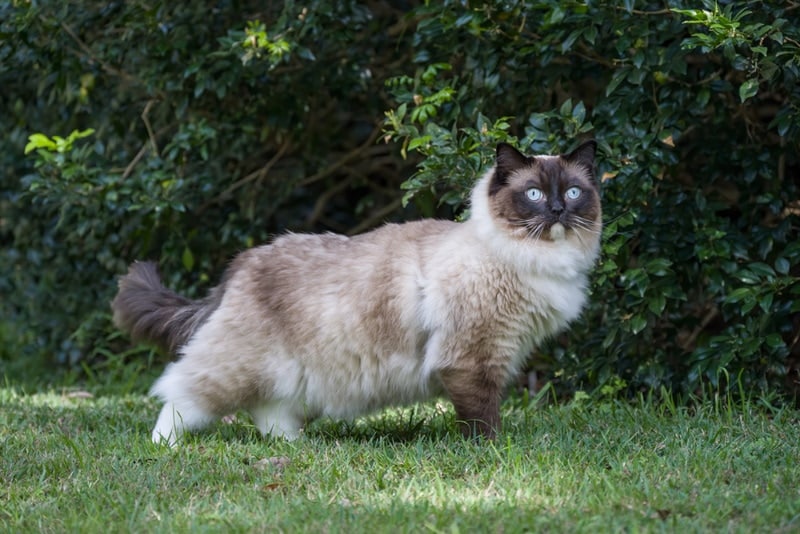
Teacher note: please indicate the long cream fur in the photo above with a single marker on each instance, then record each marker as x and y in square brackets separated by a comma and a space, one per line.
[326, 325]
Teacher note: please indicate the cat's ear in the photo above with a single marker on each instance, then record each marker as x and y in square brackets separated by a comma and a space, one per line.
[583, 156]
[508, 160]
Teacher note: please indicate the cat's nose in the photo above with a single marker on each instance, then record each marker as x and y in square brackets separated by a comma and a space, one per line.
[557, 208]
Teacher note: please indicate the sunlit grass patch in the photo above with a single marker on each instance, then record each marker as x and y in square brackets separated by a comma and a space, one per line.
[83, 462]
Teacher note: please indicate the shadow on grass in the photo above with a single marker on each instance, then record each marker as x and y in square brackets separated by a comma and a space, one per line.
[393, 426]
[398, 425]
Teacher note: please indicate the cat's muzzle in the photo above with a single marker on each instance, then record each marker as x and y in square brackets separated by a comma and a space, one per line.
[557, 231]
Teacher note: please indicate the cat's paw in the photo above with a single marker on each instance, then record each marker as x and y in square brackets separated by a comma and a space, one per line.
[170, 439]
[277, 419]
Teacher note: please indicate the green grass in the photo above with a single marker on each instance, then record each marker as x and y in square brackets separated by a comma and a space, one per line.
[73, 464]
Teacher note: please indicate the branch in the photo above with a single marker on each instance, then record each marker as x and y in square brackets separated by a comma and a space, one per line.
[139, 155]
[344, 160]
[147, 123]
[641, 12]
[324, 198]
[105, 66]
[705, 321]
[145, 146]
[376, 217]
[590, 55]
[255, 175]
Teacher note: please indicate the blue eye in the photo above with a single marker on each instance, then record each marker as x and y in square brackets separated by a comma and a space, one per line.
[534, 194]
[573, 193]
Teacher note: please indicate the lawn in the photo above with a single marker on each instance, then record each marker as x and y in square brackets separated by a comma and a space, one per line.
[72, 461]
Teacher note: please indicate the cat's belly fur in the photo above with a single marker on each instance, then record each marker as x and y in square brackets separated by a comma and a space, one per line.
[356, 386]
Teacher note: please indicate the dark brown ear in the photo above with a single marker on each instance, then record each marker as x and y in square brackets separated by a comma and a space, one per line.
[509, 159]
[583, 155]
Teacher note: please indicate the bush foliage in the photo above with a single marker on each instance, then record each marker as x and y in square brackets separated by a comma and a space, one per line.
[186, 133]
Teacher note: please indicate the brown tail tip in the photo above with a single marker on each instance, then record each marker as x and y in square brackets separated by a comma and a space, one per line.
[147, 310]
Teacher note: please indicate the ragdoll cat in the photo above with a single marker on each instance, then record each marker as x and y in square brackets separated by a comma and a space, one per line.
[327, 325]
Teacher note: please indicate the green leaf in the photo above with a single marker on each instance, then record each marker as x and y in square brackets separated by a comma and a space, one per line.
[419, 141]
[38, 140]
[748, 305]
[566, 108]
[765, 302]
[747, 276]
[187, 258]
[782, 265]
[638, 323]
[658, 266]
[567, 43]
[579, 112]
[611, 337]
[80, 134]
[618, 77]
[774, 341]
[762, 269]
[657, 304]
[748, 89]
[738, 294]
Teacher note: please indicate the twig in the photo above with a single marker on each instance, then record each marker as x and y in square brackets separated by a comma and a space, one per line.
[139, 155]
[142, 151]
[589, 54]
[344, 159]
[641, 12]
[324, 198]
[794, 341]
[147, 124]
[255, 175]
[376, 217]
[104, 65]
[709, 316]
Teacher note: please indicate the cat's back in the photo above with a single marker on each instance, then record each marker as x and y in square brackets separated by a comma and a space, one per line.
[343, 256]
[376, 274]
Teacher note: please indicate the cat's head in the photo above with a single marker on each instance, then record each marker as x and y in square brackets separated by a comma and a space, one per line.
[547, 198]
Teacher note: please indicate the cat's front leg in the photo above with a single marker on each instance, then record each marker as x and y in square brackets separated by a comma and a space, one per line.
[475, 394]
[278, 419]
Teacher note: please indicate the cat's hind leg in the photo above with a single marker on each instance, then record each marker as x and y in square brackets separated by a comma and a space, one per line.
[183, 409]
[174, 420]
[278, 418]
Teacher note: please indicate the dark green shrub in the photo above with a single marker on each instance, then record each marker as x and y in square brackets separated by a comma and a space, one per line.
[211, 131]
[697, 116]
[215, 127]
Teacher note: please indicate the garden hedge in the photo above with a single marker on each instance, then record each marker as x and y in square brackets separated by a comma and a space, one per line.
[185, 133]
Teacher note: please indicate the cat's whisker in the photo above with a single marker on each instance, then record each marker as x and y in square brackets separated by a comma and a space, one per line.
[533, 228]
[615, 218]
[586, 225]
[523, 224]
[587, 229]
[539, 231]
[580, 239]
[582, 219]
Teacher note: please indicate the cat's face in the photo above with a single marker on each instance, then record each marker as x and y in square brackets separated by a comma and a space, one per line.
[547, 198]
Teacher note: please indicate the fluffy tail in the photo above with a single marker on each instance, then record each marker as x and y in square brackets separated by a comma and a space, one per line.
[150, 312]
